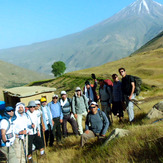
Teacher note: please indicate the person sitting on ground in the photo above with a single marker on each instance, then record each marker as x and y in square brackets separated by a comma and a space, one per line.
[57, 116]
[47, 120]
[79, 108]
[67, 114]
[96, 124]
[22, 124]
[105, 98]
[117, 106]
[90, 90]
[34, 134]
[8, 134]
[128, 90]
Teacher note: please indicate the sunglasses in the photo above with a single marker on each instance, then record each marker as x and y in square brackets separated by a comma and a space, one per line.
[55, 97]
[10, 111]
[93, 107]
[32, 107]
[121, 71]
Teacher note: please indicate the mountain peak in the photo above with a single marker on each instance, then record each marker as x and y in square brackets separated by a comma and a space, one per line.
[145, 6]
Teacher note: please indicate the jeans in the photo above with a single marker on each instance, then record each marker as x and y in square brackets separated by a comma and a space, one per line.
[130, 107]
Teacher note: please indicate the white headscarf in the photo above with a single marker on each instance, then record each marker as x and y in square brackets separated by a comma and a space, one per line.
[17, 108]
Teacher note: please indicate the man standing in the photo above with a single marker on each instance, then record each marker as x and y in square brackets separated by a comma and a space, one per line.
[22, 124]
[67, 114]
[47, 119]
[128, 89]
[57, 116]
[34, 134]
[79, 107]
[105, 98]
[8, 134]
[90, 90]
[117, 107]
[96, 124]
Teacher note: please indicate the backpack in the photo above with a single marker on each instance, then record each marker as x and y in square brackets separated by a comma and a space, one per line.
[138, 83]
[101, 116]
[109, 84]
[2, 144]
[83, 98]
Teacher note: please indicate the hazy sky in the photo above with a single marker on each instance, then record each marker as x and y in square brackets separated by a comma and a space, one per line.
[23, 22]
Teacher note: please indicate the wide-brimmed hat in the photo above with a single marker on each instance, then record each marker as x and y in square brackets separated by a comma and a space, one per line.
[31, 103]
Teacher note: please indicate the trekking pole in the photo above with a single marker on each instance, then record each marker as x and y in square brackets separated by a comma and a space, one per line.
[8, 153]
[135, 104]
[43, 132]
[24, 147]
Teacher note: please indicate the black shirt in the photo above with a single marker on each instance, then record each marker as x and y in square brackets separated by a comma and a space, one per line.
[126, 84]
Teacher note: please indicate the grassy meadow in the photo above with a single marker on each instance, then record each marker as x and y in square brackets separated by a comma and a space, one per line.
[145, 141]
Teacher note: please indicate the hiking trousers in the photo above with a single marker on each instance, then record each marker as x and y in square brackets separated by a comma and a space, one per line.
[85, 137]
[71, 120]
[11, 156]
[106, 109]
[130, 107]
[79, 121]
[19, 150]
[56, 132]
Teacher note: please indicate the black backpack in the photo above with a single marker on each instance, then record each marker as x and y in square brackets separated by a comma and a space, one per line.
[138, 83]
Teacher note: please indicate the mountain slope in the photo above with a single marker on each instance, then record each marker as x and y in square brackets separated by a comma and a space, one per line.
[112, 39]
[155, 43]
[11, 75]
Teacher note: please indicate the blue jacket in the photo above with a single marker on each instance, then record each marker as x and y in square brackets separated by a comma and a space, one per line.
[49, 116]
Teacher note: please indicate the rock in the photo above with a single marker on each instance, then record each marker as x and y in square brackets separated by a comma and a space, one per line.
[157, 111]
[116, 133]
[159, 106]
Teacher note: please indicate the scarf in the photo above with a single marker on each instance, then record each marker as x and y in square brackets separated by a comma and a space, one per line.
[63, 102]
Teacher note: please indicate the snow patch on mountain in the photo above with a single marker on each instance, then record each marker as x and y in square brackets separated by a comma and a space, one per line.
[143, 3]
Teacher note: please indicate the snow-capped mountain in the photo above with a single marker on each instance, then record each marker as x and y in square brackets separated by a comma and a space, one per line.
[112, 39]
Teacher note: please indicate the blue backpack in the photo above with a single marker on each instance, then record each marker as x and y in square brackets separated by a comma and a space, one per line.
[2, 144]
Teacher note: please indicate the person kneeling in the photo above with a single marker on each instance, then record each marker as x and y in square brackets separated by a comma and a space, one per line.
[96, 124]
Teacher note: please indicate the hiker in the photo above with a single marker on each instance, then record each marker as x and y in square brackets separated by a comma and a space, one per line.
[96, 124]
[105, 98]
[57, 116]
[90, 90]
[67, 114]
[21, 128]
[34, 134]
[8, 134]
[79, 107]
[47, 119]
[128, 89]
[117, 106]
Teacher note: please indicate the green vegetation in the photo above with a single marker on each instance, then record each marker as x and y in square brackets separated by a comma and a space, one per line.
[58, 68]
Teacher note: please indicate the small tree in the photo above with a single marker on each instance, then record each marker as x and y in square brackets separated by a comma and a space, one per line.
[58, 68]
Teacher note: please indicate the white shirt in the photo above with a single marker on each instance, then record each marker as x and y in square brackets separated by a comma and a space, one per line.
[4, 125]
[34, 120]
[22, 122]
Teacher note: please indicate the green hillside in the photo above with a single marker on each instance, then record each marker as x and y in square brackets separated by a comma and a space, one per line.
[145, 141]
[11, 75]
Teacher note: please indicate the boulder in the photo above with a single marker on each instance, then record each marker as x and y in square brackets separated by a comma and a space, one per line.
[116, 133]
[156, 111]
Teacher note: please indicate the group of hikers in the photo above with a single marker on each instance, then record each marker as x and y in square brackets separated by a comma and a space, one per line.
[24, 130]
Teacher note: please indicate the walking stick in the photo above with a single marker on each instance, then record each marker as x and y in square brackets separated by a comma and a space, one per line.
[43, 131]
[135, 104]
[24, 147]
[8, 153]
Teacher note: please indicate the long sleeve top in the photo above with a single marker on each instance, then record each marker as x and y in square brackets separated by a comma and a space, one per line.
[96, 123]
[56, 110]
[79, 104]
